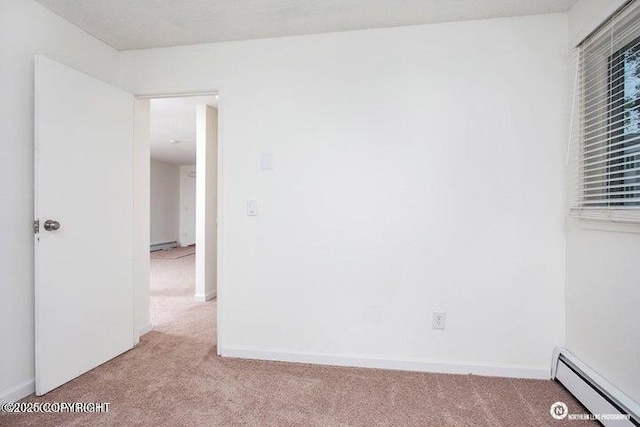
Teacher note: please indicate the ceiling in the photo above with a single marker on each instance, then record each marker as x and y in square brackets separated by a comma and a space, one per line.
[140, 24]
[173, 128]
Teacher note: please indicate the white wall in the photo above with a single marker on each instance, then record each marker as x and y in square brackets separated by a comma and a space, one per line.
[206, 202]
[141, 238]
[417, 169]
[603, 289]
[165, 202]
[187, 205]
[27, 28]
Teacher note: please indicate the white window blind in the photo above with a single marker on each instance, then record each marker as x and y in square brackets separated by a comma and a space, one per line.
[607, 121]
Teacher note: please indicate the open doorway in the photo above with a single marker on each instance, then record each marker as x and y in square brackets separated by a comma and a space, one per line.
[183, 204]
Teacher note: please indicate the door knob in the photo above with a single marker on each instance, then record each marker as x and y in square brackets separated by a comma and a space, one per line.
[51, 225]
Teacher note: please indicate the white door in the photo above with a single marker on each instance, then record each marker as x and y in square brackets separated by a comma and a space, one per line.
[84, 181]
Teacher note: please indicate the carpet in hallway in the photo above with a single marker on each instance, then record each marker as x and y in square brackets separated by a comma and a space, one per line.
[174, 253]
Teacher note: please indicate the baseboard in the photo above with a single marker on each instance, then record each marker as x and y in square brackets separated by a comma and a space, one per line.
[144, 329]
[163, 246]
[18, 392]
[204, 298]
[496, 370]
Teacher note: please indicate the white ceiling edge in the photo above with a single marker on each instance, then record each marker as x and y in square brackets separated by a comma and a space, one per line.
[173, 128]
[127, 25]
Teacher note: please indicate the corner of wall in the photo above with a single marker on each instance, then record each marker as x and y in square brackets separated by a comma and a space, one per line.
[586, 15]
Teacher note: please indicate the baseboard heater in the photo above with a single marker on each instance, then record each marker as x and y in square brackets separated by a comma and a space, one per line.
[164, 246]
[598, 395]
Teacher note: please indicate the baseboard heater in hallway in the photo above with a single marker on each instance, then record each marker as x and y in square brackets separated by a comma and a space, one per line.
[593, 391]
[164, 246]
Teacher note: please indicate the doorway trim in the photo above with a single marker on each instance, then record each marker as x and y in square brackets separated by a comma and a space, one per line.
[142, 302]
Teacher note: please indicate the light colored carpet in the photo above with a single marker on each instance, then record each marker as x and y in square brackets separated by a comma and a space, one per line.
[174, 378]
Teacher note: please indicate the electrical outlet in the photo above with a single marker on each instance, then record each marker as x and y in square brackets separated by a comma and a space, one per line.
[439, 320]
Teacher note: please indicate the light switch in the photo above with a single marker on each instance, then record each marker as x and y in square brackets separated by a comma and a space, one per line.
[252, 208]
[266, 161]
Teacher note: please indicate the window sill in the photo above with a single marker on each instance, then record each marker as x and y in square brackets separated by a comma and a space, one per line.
[620, 225]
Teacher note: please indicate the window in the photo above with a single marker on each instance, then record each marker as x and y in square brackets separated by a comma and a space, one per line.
[624, 125]
[608, 96]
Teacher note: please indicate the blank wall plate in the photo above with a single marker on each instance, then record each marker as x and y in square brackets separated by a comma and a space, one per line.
[266, 161]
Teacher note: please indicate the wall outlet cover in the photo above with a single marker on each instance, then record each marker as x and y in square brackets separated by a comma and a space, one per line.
[439, 320]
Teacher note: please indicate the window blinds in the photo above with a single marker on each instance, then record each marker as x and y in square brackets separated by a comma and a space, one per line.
[607, 121]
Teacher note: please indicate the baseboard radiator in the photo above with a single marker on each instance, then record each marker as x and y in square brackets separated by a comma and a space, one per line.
[593, 391]
[164, 246]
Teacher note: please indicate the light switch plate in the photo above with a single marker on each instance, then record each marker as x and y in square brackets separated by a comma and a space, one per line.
[252, 208]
